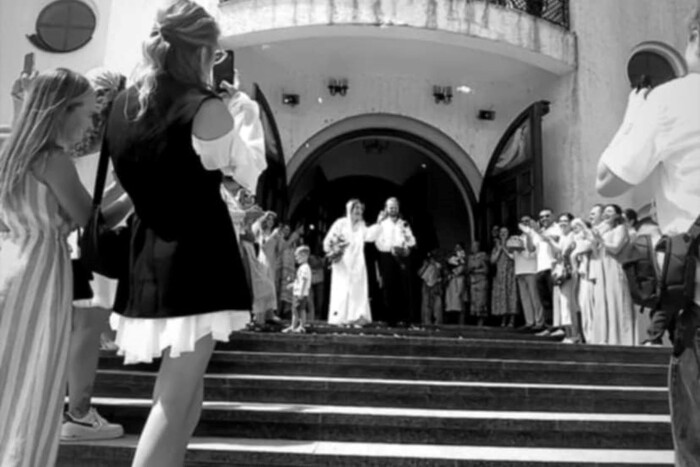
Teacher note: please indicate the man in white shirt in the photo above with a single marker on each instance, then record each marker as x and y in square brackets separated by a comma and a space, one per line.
[526, 278]
[545, 260]
[394, 245]
[660, 138]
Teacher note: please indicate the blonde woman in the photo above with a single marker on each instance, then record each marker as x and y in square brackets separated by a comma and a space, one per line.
[41, 201]
[583, 281]
[171, 139]
[621, 315]
[91, 314]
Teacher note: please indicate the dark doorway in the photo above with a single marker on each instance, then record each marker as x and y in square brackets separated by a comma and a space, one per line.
[374, 167]
[513, 182]
[327, 201]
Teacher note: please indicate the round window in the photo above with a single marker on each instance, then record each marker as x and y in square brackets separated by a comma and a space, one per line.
[651, 67]
[64, 26]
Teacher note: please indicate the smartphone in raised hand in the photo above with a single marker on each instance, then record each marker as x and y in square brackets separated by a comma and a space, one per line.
[28, 64]
[224, 71]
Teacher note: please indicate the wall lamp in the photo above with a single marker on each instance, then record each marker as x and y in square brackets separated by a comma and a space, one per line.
[338, 86]
[442, 94]
[290, 99]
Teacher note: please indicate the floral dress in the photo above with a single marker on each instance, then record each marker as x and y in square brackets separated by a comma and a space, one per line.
[478, 266]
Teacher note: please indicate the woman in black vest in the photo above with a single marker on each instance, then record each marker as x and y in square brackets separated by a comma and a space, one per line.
[170, 138]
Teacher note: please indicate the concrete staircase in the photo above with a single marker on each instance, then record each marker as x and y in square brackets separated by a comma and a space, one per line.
[383, 397]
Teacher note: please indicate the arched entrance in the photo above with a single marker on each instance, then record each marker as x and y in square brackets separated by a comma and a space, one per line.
[376, 156]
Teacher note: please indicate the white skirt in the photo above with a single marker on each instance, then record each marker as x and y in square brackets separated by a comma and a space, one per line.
[140, 340]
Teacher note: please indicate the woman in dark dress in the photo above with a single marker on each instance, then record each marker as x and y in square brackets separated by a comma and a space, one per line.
[170, 138]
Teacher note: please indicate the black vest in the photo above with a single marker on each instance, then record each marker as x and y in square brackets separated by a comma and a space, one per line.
[184, 255]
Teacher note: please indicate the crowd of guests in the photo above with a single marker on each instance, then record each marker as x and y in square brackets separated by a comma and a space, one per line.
[564, 275]
[202, 259]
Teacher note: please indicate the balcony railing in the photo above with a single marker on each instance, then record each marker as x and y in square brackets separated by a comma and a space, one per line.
[554, 11]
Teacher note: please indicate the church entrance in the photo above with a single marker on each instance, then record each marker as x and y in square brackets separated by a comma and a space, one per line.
[374, 165]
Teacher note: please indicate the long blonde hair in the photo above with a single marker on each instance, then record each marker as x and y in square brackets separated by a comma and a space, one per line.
[51, 97]
[181, 31]
[107, 84]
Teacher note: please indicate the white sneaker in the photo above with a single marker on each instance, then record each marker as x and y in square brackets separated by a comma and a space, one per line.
[91, 427]
[558, 333]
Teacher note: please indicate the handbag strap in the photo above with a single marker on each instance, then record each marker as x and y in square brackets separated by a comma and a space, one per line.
[101, 178]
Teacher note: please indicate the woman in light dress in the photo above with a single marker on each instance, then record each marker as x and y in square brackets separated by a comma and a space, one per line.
[349, 303]
[596, 296]
[565, 300]
[580, 261]
[621, 318]
[243, 212]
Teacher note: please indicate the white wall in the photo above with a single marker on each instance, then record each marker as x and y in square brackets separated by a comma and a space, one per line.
[597, 97]
[17, 20]
[402, 94]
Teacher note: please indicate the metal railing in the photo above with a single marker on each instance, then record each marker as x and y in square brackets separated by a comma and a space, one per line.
[554, 11]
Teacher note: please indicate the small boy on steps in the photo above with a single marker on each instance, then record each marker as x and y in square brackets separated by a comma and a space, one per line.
[300, 290]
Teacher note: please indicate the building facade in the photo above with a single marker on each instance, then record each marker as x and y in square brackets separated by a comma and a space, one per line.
[472, 112]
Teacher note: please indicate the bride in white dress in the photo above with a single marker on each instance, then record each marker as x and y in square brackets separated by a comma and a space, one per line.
[349, 290]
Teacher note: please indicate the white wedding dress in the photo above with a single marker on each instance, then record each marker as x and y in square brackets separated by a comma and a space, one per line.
[349, 302]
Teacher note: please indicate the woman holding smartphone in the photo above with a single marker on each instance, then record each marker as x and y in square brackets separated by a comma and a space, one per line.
[170, 137]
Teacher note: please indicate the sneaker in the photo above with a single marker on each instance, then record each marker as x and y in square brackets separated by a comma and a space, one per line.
[544, 333]
[107, 344]
[570, 340]
[91, 427]
[558, 333]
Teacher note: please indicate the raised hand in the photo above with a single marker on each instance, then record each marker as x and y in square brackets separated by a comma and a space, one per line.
[22, 84]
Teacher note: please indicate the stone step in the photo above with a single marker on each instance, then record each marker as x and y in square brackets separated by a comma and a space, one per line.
[423, 368]
[219, 452]
[403, 393]
[432, 346]
[415, 330]
[209, 452]
[404, 425]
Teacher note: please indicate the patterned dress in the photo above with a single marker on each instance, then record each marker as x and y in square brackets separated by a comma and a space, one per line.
[36, 287]
[478, 265]
[504, 301]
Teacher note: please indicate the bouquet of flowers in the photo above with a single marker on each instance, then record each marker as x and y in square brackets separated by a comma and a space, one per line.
[338, 244]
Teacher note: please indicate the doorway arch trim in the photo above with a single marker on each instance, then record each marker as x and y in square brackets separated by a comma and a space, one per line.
[435, 144]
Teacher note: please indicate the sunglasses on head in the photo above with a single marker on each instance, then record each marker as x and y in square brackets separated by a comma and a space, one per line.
[219, 56]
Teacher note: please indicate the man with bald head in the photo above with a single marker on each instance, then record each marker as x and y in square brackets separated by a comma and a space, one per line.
[394, 245]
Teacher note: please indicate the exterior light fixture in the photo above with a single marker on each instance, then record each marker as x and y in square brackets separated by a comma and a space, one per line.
[290, 99]
[442, 94]
[338, 86]
[486, 115]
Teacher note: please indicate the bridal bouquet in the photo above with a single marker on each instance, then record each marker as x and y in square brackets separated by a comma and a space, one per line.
[338, 244]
